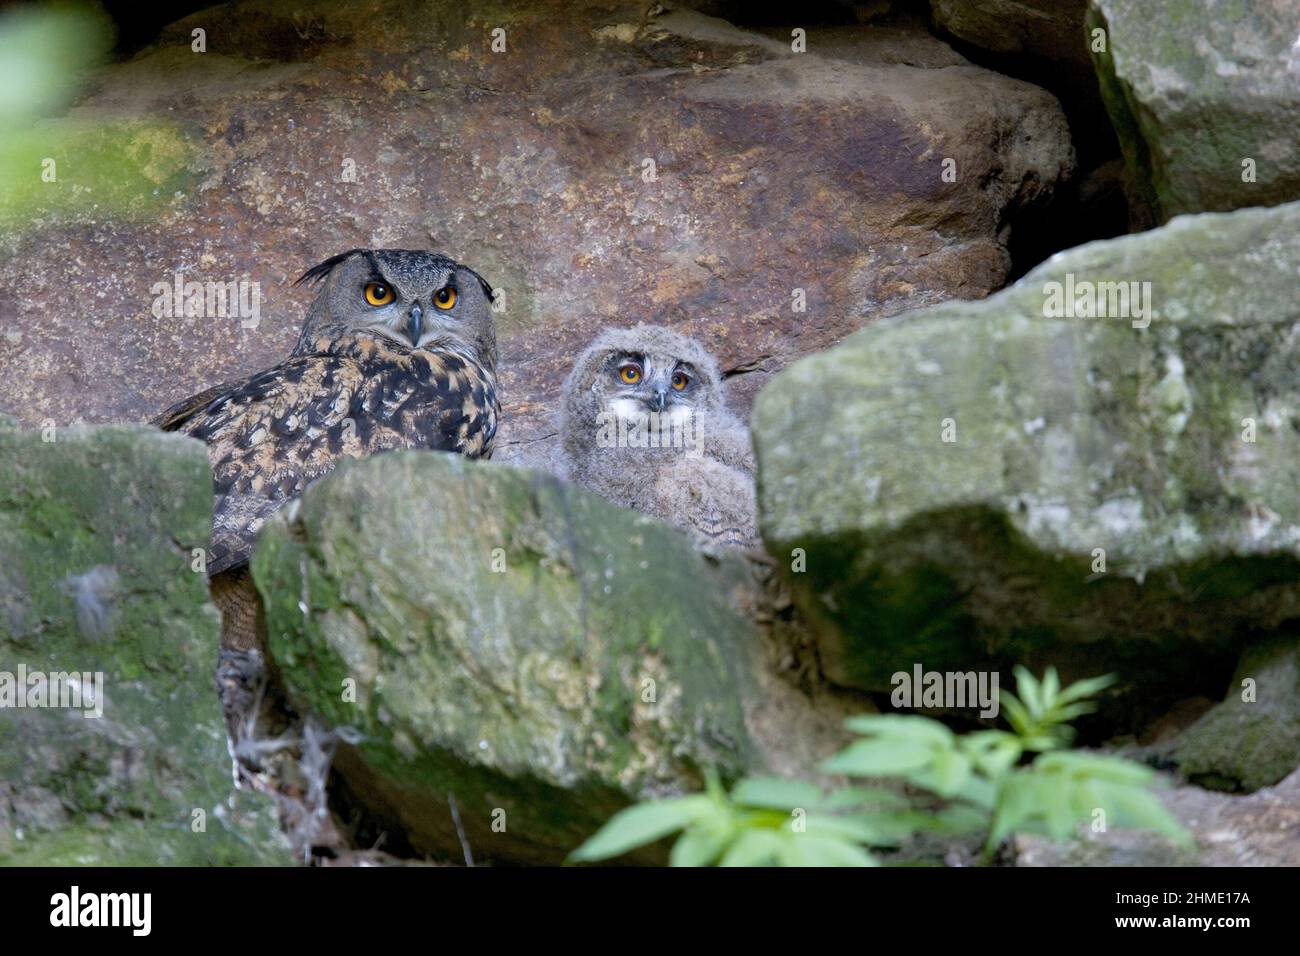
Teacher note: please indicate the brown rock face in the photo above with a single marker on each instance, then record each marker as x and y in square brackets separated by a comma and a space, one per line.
[1047, 28]
[607, 167]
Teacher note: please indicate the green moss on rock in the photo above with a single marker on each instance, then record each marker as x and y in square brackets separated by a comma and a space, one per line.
[1194, 92]
[536, 653]
[1074, 439]
[96, 530]
[1252, 739]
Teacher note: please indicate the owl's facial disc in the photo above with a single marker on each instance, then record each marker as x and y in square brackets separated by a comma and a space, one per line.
[414, 299]
[423, 320]
[647, 383]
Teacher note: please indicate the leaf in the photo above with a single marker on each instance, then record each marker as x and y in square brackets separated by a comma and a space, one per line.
[948, 773]
[993, 752]
[643, 823]
[713, 785]
[879, 758]
[959, 818]
[1085, 688]
[1015, 803]
[857, 828]
[749, 818]
[1050, 687]
[775, 793]
[1057, 805]
[981, 791]
[1070, 711]
[889, 828]
[807, 850]
[754, 848]
[1017, 714]
[1027, 689]
[698, 846]
[1142, 809]
[1100, 766]
[849, 797]
[901, 726]
[1042, 742]
[1059, 791]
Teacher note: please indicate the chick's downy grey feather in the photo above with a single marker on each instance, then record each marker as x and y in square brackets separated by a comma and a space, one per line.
[703, 484]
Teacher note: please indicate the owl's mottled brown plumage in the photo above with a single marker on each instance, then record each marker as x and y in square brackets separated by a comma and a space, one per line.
[363, 379]
[272, 433]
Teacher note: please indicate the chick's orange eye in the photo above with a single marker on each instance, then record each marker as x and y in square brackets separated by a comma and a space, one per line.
[630, 373]
[445, 297]
[679, 380]
[379, 294]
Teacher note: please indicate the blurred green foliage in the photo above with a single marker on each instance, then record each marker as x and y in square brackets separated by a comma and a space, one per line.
[997, 782]
[56, 166]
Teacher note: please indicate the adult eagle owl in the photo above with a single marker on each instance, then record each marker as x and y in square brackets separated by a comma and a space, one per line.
[398, 351]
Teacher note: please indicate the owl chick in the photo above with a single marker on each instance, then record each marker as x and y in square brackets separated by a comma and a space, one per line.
[398, 351]
[645, 425]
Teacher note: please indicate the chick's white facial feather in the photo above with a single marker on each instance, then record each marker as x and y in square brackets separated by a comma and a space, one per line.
[628, 410]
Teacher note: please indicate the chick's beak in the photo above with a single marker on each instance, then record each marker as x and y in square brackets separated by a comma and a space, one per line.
[660, 398]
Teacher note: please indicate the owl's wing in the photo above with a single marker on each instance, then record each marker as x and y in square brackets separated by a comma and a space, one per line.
[713, 501]
[728, 441]
[273, 433]
[180, 413]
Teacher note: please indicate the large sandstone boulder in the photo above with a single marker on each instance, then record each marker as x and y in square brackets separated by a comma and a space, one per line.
[978, 483]
[1204, 95]
[96, 531]
[1047, 28]
[1044, 42]
[519, 658]
[301, 133]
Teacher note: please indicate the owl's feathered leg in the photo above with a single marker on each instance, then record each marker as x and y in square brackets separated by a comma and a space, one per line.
[243, 621]
[242, 662]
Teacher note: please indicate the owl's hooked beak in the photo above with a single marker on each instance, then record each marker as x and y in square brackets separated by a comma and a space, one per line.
[414, 324]
[659, 399]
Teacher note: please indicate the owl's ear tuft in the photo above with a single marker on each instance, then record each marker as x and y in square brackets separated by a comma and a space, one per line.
[487, 288]
[317, 273]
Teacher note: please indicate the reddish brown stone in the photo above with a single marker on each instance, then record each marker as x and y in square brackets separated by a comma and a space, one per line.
[775, 171]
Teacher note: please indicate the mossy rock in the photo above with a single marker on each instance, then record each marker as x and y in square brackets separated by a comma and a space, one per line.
[1116, 494]
[1204, 95]
[507, 642]
[1251, 739]
[97, 526]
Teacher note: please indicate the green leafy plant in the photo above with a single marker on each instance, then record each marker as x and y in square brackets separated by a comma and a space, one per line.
[995, 781]
[986, 772]
[1041, 719]
[763, 821]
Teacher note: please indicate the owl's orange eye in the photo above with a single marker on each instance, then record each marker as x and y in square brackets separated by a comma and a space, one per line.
[445, 297]
[679, 380]
[379, 294]
[630, 373]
